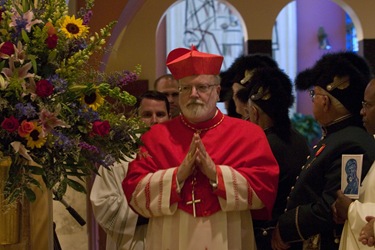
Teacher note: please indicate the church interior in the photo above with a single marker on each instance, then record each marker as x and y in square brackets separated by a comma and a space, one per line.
[142, 36]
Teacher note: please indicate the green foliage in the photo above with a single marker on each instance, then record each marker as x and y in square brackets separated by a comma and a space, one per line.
[307, 126]
[58, 114]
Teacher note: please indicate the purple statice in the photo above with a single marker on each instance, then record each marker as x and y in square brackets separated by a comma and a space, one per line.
[88, 114]
[25, 110]
[60, 84]
[62, 142]
[77, 45]
[126, 78]
[121, 79]
[107, 161]
[88, 147]
[87, 17]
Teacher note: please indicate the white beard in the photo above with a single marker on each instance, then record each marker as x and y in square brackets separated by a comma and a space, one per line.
[192, 111]
[197, 109]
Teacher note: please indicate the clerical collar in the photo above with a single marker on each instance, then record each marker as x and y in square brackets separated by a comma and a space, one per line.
[206, 125]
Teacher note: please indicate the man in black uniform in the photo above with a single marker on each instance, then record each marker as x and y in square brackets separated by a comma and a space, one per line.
[268, 95]
[337, 83]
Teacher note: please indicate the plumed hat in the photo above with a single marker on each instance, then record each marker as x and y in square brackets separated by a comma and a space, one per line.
[344, 75]
[271, 90]
[184, 62]
[241, 71]
[247, 64]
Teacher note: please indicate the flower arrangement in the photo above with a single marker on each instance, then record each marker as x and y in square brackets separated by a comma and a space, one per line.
[58, 115]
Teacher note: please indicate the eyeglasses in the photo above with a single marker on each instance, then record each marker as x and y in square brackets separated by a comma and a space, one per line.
[313, 94]
[203, 88]
[366, 105]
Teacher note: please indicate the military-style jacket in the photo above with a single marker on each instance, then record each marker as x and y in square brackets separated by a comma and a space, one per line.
[290, 155]
[308, 210]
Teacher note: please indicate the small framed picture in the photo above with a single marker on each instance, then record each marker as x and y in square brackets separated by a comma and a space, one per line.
[351, 170]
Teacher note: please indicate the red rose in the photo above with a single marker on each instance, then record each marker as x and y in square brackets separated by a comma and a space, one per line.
[44, 88]
[51, 30]
[101, 128]
[7, 48]
[51, 41]
[25, 128]
[10, 124]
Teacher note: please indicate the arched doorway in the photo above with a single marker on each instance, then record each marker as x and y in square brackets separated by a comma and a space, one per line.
[212, 26]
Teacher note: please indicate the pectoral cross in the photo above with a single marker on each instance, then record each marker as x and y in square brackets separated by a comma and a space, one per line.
[192, 202]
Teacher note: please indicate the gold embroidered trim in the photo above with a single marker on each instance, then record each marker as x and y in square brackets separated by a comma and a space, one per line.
[203, 129]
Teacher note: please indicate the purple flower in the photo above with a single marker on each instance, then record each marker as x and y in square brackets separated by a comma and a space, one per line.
[59, 84]
[88, 114]
[24, 22]
[62, 142]
[25, 110]
[128, 77]
[87, 17]
[107, 161]
[77, 45]
[122, 79]
[88, 147]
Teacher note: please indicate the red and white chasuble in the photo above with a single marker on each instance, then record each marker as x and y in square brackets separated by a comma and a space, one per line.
[247, 177]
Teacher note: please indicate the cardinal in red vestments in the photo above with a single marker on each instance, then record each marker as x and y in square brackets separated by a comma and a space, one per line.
[202, 176]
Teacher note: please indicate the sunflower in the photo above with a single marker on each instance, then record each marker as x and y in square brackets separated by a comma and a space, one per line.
[73, 28]
[93, 100]
[35, 138]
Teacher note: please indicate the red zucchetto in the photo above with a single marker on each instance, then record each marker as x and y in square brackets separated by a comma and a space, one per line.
[184, 62]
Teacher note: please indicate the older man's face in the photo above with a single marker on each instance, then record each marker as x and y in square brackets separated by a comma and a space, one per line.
[368, 108]
[319, 99]
[198, 97]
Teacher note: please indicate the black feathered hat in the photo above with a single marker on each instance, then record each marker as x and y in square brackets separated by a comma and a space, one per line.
[270, 89]
[247, 64]
[344, 75]
[236, 72]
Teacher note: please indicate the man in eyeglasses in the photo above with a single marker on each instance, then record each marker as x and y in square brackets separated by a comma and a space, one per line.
[338, 80]
[202, 176]
[359, 215]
